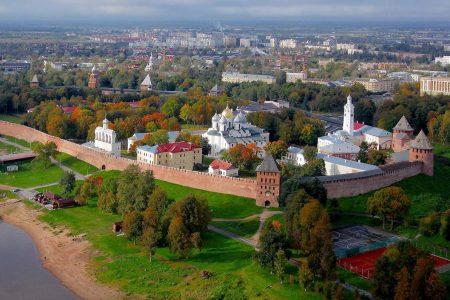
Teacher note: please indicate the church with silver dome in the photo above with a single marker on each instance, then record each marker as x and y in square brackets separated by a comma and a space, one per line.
[231, 128]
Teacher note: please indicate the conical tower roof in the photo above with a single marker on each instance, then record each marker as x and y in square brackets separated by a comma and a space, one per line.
[268, 165]
[421, 142]
[35, 79]
[403, 124]
[147, 81]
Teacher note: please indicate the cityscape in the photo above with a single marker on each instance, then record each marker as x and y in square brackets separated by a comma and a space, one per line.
[224, 150]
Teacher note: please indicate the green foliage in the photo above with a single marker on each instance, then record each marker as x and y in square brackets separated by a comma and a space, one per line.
[30, 174]
[67, 181]
[429, 225]
[363, 154]
[133, 188]
[271, 240]
[280, 261]
[44, 152]
[305, 277]
[310, 153]
[389, 203]
[313, 168]
[376, 157]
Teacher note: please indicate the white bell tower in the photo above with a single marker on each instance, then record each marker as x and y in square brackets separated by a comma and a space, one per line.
[349, 115]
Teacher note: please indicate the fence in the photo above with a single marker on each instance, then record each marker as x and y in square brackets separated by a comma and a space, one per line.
[437, 251]
[341, 253]
[365, 273]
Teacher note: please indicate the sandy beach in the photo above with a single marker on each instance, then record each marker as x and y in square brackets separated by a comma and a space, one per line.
[69, 260]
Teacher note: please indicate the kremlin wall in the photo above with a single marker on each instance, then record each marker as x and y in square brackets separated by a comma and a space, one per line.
[337, 186]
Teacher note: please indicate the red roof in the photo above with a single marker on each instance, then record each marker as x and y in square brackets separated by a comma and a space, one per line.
[358, 126]
[176, 147]
[222, 165]
[68, 109]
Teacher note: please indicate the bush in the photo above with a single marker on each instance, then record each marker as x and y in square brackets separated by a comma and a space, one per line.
[429, 225]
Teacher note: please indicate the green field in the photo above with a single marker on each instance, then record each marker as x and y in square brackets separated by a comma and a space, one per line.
[426, 193]
[242, 228]
[57, 189]
[75, 164]
[11, 118]
[9, 148]
[17, 141]
[30, 174]
[235, 274]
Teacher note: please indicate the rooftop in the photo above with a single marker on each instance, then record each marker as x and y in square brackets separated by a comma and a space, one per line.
[268, 165]
[170, 148]
[403, 124]
[222, 165]
[421, 142]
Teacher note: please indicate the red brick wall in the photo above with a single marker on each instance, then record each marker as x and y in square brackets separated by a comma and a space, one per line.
[357, 186]
[204, 181]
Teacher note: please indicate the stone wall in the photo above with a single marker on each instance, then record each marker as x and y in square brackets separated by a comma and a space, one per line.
[199, 180]
[347, 187]
[338, 186]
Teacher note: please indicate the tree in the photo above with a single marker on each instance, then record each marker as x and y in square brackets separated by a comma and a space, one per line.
[179, 238]
[132, 226]
[133, 188]
[310, 153]
[67, 181]
[402, 290]
[383, 279]
[376, 157]
[429, 225]
[243, 156]
[422, 271]
[389, 203]
[150, 239]
[272, 239]
[305, 276]
[339, 293]
[280, 260]
[277, 149]
[186, 113]
[314, 168]
[195, 213]
[292, 216]
[363, 154]
[445, 225]
[44, 152]
[107, 202]
[206, 147]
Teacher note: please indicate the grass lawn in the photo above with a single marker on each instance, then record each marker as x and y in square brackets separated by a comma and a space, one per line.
[353, 279]
[243, 228]
[193, 127]
[426, 193]
[17, 141]
[57, 189]
[235, 274]
[222, 205]
[5, 194]
[30, 174]
[9, 148]
[75, 164]
[11, 118]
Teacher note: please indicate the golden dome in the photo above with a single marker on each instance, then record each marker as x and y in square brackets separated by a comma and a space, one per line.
[228, 113]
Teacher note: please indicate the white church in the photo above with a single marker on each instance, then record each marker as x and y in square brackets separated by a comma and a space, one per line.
[345, 143]
[105, 139]
[231, 128]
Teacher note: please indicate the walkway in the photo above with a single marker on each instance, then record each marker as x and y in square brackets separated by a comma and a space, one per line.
[78, 176]
[3, 140]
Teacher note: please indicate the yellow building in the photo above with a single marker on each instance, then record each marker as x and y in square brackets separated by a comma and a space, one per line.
[181, 155]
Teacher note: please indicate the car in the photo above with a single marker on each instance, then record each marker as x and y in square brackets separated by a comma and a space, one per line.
[16, 190]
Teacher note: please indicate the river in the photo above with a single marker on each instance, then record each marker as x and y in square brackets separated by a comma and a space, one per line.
[22, 276]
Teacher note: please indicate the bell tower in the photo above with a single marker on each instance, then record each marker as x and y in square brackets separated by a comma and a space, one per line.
[93, 79]
[349, 116]
[268, 180]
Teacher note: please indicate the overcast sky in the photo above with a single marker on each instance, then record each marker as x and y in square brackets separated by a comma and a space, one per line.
[409, 11]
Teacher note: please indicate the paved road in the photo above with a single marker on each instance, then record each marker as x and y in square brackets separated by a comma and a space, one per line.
[78, 176]
[232, 236]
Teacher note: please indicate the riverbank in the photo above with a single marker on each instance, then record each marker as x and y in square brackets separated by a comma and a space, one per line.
[67, 259]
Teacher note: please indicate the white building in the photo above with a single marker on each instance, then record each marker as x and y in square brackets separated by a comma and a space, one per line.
[105, 139]
[231, 128]
[333, 165]
[149, 65]
[236, 77]
[289, 44]
[294, 77]
[223, 168]
[139, 136]
[444, 60]
[435, 86]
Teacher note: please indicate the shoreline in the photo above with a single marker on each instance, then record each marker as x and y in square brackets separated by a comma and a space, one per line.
[67, 259]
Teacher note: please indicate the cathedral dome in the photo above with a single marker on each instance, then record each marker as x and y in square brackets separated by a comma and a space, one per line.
[223, 120]
[240, 118]
[227, 113]
[216, 118]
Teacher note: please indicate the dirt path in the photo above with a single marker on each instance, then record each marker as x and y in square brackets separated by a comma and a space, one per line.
[68, 260]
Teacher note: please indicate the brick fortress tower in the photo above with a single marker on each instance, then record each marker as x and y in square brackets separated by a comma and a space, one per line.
[93, 79]
[402, 135]
[268, 183]
[421, 150]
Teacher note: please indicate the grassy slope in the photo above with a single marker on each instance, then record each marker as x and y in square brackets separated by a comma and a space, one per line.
[234, 272]
[31, 174]
[75, 164]
[9, 148]
[11, 118]
[424, 191]
[222, 205]
[5, 194]
[17, 141]
[242, 228]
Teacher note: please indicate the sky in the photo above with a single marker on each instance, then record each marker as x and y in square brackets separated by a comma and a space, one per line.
[379, 11]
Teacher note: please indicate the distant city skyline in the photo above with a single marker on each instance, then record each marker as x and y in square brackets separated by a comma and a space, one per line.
[133, 11]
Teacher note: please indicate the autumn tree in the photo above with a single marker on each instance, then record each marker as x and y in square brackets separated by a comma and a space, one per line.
[376, 157]
[150, 239]
[243, 156]
[305, 276]
[132, 225]
[67, 182]
[272, 239]
[292, 216]
[277, 149]
[403, 288]
[179, 238]
[310, 153]
[44, 152]
[390, 203]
